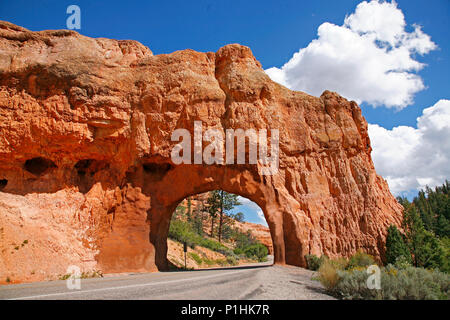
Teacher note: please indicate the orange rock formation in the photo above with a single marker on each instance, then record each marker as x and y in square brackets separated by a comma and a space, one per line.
[86, 175]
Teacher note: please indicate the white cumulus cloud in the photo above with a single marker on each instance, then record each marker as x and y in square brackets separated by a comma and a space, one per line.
[370, 58]
[255, 208]
[410, 158]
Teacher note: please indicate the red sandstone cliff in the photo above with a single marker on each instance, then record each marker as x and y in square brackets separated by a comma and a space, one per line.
[85, 170]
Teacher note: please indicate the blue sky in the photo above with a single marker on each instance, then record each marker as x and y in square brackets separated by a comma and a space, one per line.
[275, 30]
[252, 212]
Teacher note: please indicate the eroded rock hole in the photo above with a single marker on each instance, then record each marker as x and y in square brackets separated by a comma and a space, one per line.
[3, 183]
[90, 167]
[39, 165]
[157, 170]
[90, 171]
[82, 166]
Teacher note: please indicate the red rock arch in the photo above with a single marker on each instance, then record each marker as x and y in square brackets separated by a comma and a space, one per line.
[166, 197]
[102, 112]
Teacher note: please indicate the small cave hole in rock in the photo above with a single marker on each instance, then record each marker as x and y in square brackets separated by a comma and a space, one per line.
[219, 229]
[90, 166]
[82, 166]
[3, 183]
[39, 165]
[86, 170]
[157, 170]
[131, 172]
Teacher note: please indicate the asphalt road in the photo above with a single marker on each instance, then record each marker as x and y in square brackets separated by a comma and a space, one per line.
[258, 281]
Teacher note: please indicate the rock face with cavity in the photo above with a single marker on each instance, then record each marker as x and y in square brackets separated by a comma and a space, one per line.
[86, 175]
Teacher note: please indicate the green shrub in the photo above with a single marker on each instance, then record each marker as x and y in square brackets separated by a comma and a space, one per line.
[313, 262]
[396, 284]
[352, 285]
[215, 246]
[196, 257]
[227, 232]
[221, 262]
[360, 259]
[231, 260]
[92, 274]
[244, 240]
[402, 262]
[339, 263]
[65, 276]
[183, 232]
[208, 262]
[414, 284]
[357, 261]
[257, 251]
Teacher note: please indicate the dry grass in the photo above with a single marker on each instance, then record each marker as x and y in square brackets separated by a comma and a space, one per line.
[328, 275]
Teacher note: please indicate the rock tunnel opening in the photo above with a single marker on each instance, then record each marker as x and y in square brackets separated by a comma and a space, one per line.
[3, 183]
[219, 229]
[39, 165]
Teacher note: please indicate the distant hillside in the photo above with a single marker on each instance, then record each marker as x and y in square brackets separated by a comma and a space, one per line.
[260, 232]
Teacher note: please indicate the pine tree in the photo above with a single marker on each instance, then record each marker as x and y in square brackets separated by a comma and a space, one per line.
[220, 202]
[433, 207]
[396, 246]
[189, 209]
[213, 207]
[442, 226]
[429, 254]
[425, 248]
[228, 202]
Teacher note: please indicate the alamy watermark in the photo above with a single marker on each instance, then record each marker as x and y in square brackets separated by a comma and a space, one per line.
[74, 20]
[221, 148]
[374, 279]
[73, 282]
